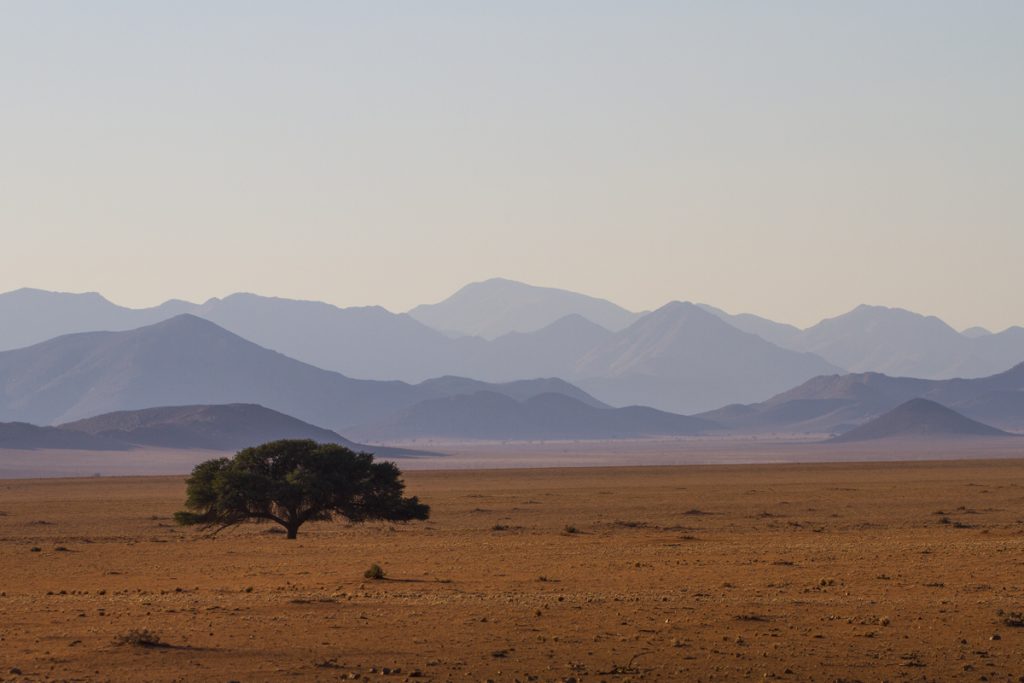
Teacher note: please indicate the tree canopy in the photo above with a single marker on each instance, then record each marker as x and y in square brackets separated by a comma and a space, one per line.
[291, 482]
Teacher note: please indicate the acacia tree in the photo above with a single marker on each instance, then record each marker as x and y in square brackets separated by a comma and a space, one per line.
[292, 482]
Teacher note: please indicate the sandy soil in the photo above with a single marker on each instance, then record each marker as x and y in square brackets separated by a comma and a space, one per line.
[834, 572]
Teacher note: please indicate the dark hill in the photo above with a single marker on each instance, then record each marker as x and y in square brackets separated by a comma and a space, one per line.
[217, 427]
[202, 427]
[29, 437]
[919, 417]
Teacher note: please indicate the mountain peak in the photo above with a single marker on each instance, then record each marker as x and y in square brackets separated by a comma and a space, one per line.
[677, 306]
[495, 307]
[976, 331]
[185, 322]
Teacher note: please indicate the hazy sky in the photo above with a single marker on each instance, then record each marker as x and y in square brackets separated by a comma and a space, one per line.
[791, 159]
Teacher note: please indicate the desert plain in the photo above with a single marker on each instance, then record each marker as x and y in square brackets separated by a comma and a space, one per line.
[842, 571]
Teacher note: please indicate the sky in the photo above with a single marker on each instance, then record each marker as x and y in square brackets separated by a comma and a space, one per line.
[791, 159]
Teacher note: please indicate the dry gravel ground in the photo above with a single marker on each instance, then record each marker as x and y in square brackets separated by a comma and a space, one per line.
[834, 572]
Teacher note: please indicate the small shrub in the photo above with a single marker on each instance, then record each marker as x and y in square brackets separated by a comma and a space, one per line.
[499, 527]
[570, 529]
[139, 637]
[374, 572]
[1014, 620]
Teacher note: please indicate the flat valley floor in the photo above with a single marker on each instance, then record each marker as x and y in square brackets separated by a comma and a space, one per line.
[907, 571]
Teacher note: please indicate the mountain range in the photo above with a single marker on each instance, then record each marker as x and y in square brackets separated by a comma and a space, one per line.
[702, 355]
[129, 378]
[681, 357]
[187, 360]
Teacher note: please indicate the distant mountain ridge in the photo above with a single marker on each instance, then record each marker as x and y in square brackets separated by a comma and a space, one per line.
[894, 341]
[596, 345]
[128, 378]
[373, 343]
[838, 403]
[188, 360]
[683, 359]
[491, 416]
[498, 306]
[29, 316]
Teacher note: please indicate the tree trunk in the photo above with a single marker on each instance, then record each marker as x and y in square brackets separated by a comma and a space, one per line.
[293, 530]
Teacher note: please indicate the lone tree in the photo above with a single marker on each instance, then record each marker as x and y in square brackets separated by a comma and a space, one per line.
[292, 482]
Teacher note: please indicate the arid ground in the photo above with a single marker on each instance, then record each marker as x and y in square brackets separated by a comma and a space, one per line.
[828, 572]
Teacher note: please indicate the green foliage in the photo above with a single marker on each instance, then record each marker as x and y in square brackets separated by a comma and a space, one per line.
[374, 572]
[291, 482]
